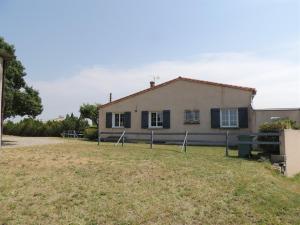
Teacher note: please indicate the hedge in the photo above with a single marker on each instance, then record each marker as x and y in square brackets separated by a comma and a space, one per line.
[34, 128]
[91, 133]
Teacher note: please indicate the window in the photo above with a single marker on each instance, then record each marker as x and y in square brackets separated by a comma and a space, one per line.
[155, 119]
[229, 117]
[118, 120]
[191, 116]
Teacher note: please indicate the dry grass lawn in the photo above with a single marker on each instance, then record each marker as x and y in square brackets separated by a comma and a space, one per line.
[79, 183]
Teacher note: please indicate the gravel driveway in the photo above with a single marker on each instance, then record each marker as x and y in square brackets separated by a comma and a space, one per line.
[15, 141]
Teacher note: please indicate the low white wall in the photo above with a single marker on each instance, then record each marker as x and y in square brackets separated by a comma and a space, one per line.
[290, 148]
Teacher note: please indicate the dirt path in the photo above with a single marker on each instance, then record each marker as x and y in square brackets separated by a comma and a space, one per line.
[15, 141]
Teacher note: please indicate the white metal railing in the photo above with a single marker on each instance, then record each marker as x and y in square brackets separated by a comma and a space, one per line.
[121, 138]
[148, 137]
[184, 144]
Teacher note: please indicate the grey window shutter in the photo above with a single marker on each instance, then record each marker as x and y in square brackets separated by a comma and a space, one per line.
[144, 121]
[108, 120]
[243, 117]
[166, 119]
[127, 119]
[215, 118]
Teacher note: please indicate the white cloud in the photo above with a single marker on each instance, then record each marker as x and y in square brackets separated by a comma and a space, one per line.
[277, 81]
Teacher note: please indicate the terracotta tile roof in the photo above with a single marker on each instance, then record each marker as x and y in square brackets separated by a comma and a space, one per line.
[253, 90]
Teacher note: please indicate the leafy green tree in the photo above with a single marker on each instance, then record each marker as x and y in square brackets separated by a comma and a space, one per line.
[72, 122]
[19, 98]
[69, 123]
[89, 111]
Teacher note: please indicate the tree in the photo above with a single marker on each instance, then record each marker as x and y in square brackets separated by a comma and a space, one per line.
[19, 98]
[89, 111]
[72, 122]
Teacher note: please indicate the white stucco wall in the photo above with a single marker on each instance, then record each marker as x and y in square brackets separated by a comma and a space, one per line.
[290, 148]
[178, 97]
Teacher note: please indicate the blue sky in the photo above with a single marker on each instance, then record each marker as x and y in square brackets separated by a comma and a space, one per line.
[102, 42]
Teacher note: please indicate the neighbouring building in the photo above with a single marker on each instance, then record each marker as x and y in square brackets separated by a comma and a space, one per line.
[261, 116]
[184, 104]
[59, 119]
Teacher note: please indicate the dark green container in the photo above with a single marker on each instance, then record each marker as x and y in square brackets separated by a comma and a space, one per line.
[245, 149]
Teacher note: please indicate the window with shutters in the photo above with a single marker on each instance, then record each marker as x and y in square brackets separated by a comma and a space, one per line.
[191, 116]
[155, 119]
[118, 120]
[229, 118]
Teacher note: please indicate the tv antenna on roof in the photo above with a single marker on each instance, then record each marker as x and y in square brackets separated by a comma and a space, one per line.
[155, 78]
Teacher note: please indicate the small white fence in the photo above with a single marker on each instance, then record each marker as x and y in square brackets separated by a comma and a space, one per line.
[72, 134]
[185, 138]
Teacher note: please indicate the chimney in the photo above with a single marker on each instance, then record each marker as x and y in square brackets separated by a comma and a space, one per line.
[110, 97]
[152, 84]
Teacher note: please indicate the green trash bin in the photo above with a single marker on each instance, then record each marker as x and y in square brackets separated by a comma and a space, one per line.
[245, 149]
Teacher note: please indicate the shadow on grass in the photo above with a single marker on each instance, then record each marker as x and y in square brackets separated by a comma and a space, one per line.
[8, 143]
[254, 157]
[145, 147]
[167, 150]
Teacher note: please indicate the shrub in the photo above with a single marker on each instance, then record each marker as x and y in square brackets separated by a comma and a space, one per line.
[33, 128]
[9, 128]
[53, 128]
[274, 127]
[91, 133]
[73, 123]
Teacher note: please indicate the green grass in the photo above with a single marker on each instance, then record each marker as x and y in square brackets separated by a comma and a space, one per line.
[80, 183]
